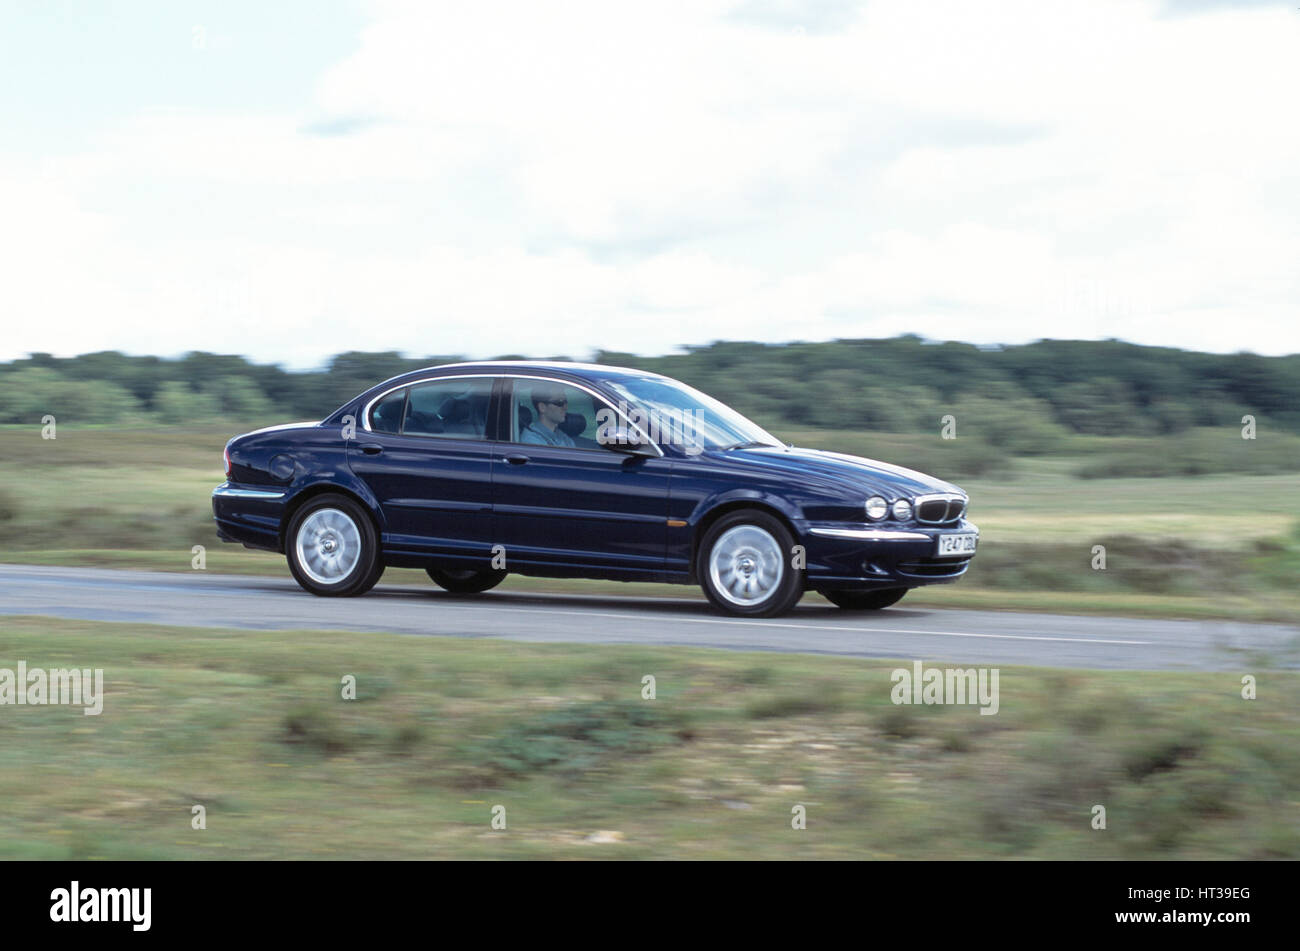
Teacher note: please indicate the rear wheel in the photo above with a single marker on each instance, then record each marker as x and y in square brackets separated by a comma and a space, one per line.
[466, 580]
[864, 600]
[745, 568]
[333, 548]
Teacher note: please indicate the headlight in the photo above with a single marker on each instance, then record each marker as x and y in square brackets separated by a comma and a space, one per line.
[876, 508]
[902, 510]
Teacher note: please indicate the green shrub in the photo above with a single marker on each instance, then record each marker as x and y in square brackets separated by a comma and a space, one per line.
[793, 704]
[1197, 452]
[573, 739]
[1162, 750]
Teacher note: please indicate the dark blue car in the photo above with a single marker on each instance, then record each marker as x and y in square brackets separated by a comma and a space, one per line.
[474, 470]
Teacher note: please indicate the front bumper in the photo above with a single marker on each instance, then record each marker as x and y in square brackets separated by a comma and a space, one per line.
[843, 556]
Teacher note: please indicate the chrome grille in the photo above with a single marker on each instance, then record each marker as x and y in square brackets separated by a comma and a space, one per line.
[939, 509]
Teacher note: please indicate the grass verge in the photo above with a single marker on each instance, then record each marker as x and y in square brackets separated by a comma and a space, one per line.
[251, 726]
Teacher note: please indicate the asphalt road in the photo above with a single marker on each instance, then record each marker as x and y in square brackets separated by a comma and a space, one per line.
[969, 637]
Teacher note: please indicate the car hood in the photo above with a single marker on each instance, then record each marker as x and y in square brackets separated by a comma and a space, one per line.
[836, 468]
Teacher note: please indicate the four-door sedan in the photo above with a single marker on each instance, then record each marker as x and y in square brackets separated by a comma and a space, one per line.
[474, 470]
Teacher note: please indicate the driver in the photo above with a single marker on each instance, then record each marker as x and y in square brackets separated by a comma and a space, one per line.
[550, 406]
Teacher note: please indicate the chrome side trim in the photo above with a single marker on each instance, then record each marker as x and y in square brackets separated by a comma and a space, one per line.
[870, 535]
[365, 412]
[226, 490]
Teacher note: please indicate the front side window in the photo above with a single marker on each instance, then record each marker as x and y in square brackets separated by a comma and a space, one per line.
[452, 408]
[544, 413]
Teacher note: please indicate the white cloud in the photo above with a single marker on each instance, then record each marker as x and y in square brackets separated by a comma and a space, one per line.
[496, 177]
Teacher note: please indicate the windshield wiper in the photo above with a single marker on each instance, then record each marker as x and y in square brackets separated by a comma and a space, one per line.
[745, 445]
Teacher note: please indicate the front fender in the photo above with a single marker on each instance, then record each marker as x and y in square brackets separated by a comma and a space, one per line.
[757, 497]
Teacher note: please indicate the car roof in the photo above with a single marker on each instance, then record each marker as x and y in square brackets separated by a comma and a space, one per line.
[595, 371]
[582, 371]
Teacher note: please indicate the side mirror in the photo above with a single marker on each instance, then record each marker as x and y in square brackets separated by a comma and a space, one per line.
[631, 448]
[612, 434]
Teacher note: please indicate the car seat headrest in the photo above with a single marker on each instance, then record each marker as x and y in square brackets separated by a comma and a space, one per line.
[575, 424]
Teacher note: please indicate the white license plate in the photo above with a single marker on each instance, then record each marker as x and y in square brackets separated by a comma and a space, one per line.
[963, 544]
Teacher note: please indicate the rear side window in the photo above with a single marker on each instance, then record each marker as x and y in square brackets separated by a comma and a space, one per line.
[455, 408]
[386, 415]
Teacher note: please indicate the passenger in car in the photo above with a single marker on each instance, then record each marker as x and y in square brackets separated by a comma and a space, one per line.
[550, 404]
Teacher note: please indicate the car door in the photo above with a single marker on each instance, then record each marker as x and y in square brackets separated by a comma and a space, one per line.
[561, 498]
[423, 450]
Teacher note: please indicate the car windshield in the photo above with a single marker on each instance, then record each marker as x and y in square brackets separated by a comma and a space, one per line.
[677, 414]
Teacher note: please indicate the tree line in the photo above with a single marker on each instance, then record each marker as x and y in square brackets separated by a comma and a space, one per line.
[1029, 394]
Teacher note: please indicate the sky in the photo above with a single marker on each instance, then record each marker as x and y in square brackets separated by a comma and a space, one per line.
[290, 180]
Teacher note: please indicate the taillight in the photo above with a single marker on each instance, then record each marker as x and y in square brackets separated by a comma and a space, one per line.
[225, 454]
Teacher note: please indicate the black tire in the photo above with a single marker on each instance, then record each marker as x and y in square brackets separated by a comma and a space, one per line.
[350, 568]
[864, 600]
[772, 594]
[466, 580]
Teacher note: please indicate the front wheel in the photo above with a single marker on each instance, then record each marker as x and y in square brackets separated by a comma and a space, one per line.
[466, 580]
[333, 548]
[746, 565]
[864, 600]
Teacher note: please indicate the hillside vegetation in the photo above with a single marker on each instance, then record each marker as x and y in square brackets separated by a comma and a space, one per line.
[1023, 399]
